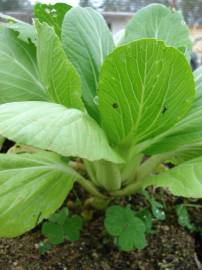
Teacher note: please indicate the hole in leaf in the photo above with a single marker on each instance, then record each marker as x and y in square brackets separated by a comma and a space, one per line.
[47, 10]
[115, 105]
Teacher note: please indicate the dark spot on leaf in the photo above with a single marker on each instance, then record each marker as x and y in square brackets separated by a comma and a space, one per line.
[115, 105]
[165, 108]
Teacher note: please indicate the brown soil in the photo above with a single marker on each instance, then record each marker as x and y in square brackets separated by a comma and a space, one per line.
[169, 248]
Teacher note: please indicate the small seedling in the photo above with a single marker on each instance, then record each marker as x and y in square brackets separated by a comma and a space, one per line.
[44, 247]
[60, 227]
[183, 218]
[128, 229]
[156, 207]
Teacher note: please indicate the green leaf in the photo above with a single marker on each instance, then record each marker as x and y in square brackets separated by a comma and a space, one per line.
[60, 216]
[146, 217]
[61, 227]
[19, 78]
[25, 30]
[53, 232]
[52, 14]
[157, 210]
[198, 80]
[160, 22]
[183, 140]
[114, 220]
[72, 228]
[184, 180]
[50, 126]
[87, 41]
[145, 88]
[58, 74]
[129, 230]
[29, 191]
[44, 247]
[183, 217]
[156, 207]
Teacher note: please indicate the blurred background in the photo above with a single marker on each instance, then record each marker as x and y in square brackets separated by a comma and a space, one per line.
[118, 12]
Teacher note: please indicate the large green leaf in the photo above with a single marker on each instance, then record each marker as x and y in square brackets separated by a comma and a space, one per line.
[25, 30]
[51, 126]
[185, 139]
[19, 79]
[58, 74]
[184, 180]
[87, 41]
[32, 187]
[145, 88]
[52, 14]
[158, 21]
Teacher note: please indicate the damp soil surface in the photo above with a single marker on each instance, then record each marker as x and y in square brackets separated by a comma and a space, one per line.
[170, 247]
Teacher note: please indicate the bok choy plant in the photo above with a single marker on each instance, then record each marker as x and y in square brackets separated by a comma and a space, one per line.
[87, 110]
